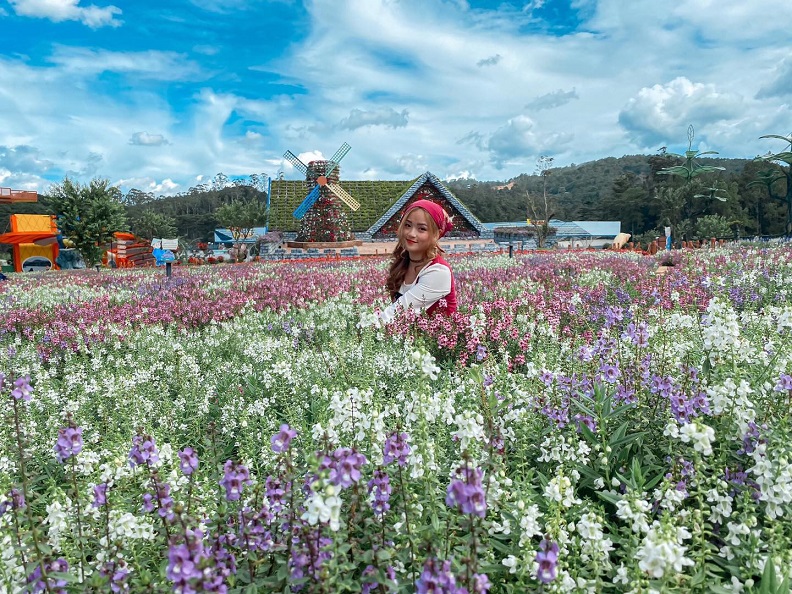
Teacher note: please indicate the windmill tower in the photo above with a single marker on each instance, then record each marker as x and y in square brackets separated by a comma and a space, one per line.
[322, 217]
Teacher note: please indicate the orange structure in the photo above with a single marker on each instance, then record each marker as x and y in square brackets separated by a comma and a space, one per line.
[34, 239]
[9, 196]
[129, 251]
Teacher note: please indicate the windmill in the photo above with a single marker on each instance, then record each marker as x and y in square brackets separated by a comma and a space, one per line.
[321, 173]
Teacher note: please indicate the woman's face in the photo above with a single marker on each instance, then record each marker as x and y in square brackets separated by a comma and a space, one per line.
[416, 234]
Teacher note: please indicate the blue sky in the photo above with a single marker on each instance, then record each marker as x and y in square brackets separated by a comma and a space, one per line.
[161, 96]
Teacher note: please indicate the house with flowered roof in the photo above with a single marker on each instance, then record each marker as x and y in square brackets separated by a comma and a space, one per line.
[381, 205]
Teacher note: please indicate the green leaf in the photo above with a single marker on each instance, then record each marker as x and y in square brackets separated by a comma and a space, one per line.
[769, 583]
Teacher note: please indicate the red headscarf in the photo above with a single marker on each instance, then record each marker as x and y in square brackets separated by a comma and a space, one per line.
[437, 212]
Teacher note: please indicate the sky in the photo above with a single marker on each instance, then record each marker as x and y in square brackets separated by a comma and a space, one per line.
[161, 96]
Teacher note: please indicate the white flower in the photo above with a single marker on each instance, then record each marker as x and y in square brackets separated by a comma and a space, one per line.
[511, 563]
[700, 435]
[662, 551]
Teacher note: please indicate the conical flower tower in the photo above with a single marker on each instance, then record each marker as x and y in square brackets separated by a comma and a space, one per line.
[326, 220]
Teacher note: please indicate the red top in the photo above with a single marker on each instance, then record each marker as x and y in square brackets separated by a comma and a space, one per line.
[450, 299]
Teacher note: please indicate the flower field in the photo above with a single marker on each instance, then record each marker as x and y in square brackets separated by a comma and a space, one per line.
[582, 424]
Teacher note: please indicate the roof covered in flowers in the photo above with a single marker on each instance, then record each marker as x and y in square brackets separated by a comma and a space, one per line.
[381, 203]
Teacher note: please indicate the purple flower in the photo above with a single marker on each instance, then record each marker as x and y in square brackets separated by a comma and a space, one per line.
[199, 565]
[481, 352]
[188, 461]
[397, 449]
[117, 574]
[581, 419]
[610, 373]
[144, 450]
[344, 465]
[370, 585]
[161, 501]
[380, 490]
[481, 583]
[547, 558]
[466, 492]
[100, 495]
[235, 477]
[276, 492]
[15, 499]
[784, 383]
[52, 585]
[70, 443]
[437, 578]
[282, 439]
[22, 389]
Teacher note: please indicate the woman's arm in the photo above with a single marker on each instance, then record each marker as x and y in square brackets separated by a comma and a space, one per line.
[433, 283]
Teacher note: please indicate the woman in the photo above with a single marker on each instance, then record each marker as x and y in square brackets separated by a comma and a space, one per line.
[419, 277]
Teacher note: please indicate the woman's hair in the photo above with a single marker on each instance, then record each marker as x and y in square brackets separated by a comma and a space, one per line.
[400, 258]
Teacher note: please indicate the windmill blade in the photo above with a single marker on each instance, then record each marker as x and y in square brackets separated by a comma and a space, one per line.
[299, 165]
[312, 197]
[343, 195]
[336, 159]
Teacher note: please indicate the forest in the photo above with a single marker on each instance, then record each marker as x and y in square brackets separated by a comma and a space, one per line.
[722, 197]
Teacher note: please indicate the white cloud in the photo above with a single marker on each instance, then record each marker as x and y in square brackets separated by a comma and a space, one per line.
[151, 64]
[147, 184]
[491, 61]
[551, 100]
[146, 139]
[68, 10]
[471, 90]
[23, 158]
[659, 112]
[386, 116]
[781, 85]
[519, 141]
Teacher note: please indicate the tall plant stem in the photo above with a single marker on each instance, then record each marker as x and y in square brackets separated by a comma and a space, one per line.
[79, 518]
[29, 511]
[407, 524]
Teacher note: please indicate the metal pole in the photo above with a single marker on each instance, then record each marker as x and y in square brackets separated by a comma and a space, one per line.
[168, 269]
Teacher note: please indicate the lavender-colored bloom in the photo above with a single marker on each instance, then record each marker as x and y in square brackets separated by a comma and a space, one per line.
[397, 449]
[610, 373]
[784, 383]
[481, 352]
[2, 381]
[437, 578]
[581, 419]
[466, 492]
[188, 461]
[380, 490]
[117, 574]
[199, 566]
[282, 439]
[52, 585]
[547, 558]
[254, 528]
[100, 495]
[161, 501]
[144, 450]
[15, 499]
[22, 389]
[276, 493]
[344, 465]
[310, 551]
[372, 586]
[70, 443]
[235, 477]
[481, 583]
